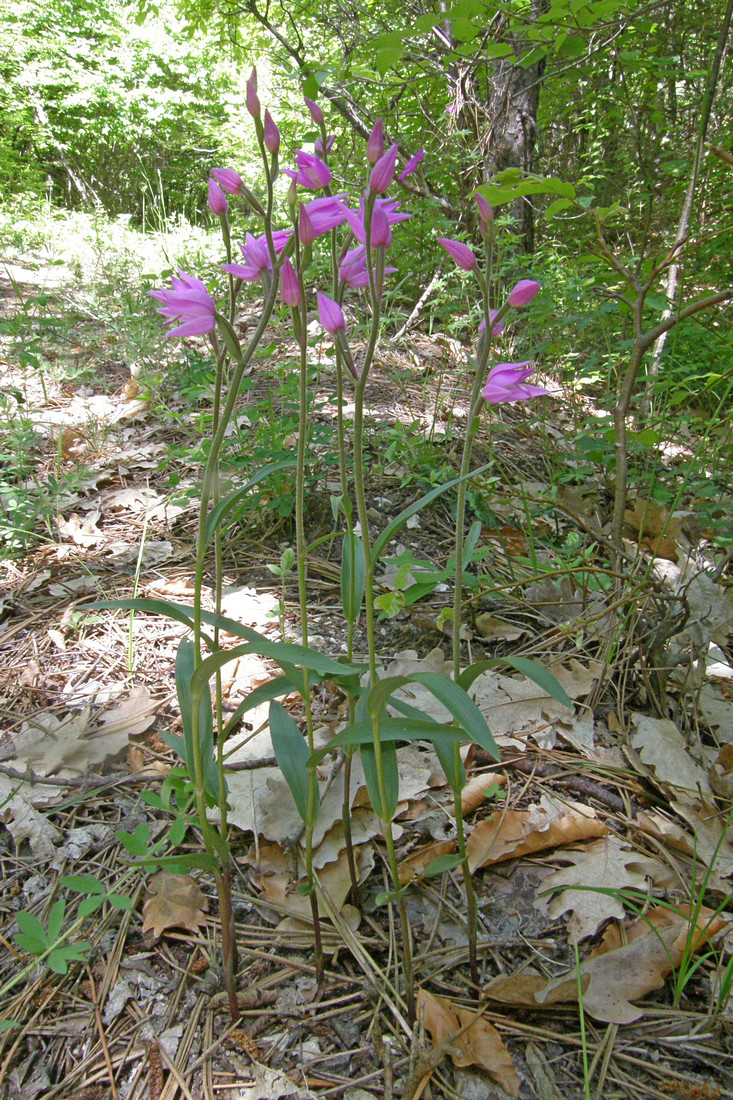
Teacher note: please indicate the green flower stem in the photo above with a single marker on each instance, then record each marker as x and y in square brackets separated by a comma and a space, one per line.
[301, 556]
[471, 431]
[369, 612]
[471, 903]
[215, 843]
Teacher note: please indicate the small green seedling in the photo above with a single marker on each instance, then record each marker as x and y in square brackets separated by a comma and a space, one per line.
[46, 942]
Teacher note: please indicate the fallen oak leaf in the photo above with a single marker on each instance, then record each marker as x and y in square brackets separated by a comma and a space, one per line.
[174, 901]
[508, 834]
[617, 973]
[607, 863]
[473, 1040]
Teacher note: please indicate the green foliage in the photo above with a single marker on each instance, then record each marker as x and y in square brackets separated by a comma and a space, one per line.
[116, 113]
[48, 942]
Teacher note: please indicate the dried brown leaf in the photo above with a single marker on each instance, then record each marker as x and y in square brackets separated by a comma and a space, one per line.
[628, 964]
[415, 865]
[478, 1045]
[606, 863]
[508, 834]
[174, 901]
[474, 792]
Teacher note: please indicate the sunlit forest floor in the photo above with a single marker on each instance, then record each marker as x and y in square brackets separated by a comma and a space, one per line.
[600, 842]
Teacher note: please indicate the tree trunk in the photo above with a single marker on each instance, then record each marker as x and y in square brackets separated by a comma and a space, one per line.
[514, 96]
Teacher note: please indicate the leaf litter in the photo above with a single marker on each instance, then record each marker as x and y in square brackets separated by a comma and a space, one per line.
[608, 862]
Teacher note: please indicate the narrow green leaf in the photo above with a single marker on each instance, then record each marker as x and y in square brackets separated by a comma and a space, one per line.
[391, 729]
[135, 843]
[442, 863]
[291, 753]
[353, 576]
[452, 765]
[461, 706]
[544, 679]
[382, 691]
[56, 920]
[120, 901]
[193, 691]
[281, 652]
[224, 508]
[392, 529]
[391, 778]
[89, 905]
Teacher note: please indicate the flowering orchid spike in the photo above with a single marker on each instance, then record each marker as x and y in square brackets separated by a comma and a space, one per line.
[253, 103]
[228, 180]
[507, 382]
[217, 199]
[188, 302]
[523, 292]
[257, 255]
[325, 213]
[375, 145]
[290, 286]
[315, 111]
[331, 314]
[411, 165]
[383, 171]
[272, 135]
[380, 231]
[460, 252]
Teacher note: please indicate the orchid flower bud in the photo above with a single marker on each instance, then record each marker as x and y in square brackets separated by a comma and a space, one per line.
[523, 292]
[460, 252]
[272, 135]
[290, 286]
[315, 111]
[331, 314]
[375, 145]
[253, 103]
[217, 199]
[383, 171]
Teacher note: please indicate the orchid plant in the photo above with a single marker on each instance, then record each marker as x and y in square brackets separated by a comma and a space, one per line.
[279, 261]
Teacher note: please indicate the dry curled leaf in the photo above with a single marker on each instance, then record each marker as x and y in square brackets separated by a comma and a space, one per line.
[174, 901]
[417, 863]
[629, 963]
[511, 833]
[474, 792]
[478, 1045]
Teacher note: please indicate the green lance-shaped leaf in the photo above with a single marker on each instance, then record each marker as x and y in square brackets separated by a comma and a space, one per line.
[56, 920]
[544, 679]
[284, 653]
[452, 765]
[32, 936]
[353, 576]
[391, 729]
[393, 528]
[221, 511]
[190, 696]
[266, 693]
[453, 697]
[84, 884]
[390, 774]
[291, 753]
